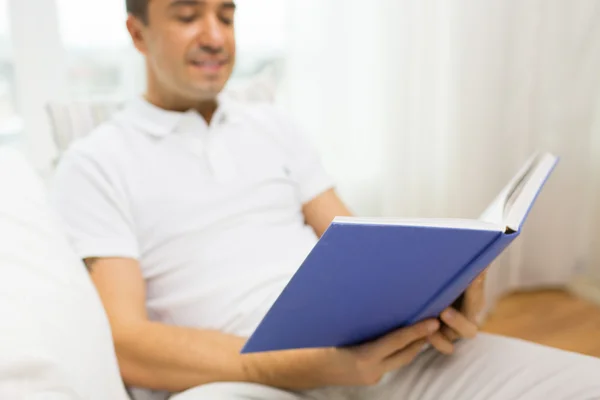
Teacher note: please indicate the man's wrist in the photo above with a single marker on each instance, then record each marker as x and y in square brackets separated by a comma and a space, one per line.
[290, 370]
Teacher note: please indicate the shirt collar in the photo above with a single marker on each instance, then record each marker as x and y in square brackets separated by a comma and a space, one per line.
[159, 122]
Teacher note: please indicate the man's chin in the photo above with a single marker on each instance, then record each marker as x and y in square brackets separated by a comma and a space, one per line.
[206, 92]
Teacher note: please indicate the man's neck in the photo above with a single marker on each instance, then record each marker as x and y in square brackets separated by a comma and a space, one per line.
[171, 102]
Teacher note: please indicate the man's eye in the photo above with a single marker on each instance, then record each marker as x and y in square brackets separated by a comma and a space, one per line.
[186, 19]
[227, 21]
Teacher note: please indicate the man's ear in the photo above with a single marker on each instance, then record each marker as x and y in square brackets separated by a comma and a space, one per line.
[136, 30]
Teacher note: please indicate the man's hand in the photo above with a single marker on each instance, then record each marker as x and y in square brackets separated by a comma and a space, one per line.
[461, 323]
[363, 365]
[367, 364]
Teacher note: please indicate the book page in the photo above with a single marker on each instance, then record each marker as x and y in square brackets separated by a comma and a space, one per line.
[521, 200]
[496, 211]
[508, 210]
[516, 190]
[427, 222]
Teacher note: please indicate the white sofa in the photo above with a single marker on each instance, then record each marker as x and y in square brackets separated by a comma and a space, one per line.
[55, 339]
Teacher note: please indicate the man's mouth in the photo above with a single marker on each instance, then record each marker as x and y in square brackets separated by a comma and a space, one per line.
[209, 65]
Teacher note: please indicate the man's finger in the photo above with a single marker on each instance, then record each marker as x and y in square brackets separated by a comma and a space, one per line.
[441, 343]
[449, 334]
[459, 323]
[396, 341]
[404, 356]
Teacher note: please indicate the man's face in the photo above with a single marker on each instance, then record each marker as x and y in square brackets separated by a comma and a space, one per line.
[189, 46]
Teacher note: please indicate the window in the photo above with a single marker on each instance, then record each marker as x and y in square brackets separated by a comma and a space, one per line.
[260, 34]
[101, 61]
[10, 123]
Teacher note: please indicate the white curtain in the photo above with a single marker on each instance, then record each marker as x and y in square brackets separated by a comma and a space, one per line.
[426, 108]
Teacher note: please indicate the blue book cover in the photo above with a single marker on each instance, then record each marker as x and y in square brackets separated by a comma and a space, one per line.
[367, 277]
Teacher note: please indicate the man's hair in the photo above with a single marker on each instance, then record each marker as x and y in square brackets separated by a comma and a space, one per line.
[138, 8]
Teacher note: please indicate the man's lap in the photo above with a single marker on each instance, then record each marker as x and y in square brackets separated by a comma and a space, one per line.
[494, 367]
[488, 367]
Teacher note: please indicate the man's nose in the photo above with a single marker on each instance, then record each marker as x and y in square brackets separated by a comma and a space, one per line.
[213, 35]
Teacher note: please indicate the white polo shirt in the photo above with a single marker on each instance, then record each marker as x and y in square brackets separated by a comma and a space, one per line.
[212, 213]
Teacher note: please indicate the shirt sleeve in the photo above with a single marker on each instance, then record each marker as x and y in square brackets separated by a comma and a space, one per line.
[306, 165]
[93, 209]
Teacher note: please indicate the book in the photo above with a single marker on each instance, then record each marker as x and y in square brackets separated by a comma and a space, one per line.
[367, 277]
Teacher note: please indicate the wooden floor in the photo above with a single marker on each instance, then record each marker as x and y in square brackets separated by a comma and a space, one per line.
[552, 318]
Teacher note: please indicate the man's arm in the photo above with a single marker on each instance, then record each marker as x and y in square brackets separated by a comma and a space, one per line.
[153, 355]
[320, 212]
[162, 357]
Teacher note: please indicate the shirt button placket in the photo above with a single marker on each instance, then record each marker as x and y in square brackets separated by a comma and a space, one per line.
[220, 159]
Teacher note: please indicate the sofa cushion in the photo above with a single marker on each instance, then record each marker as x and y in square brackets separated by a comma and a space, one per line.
[55, 337]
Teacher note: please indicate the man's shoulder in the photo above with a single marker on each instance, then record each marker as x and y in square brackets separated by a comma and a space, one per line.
[104, 145]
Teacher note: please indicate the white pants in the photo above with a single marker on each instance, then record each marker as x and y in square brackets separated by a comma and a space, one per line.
[488, 367]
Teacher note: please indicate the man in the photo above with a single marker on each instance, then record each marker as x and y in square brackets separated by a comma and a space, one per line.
[192, 212]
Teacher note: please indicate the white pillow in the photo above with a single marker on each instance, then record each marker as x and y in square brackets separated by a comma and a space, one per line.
[55, 339]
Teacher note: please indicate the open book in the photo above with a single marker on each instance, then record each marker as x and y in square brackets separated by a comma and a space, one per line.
[370, 276]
